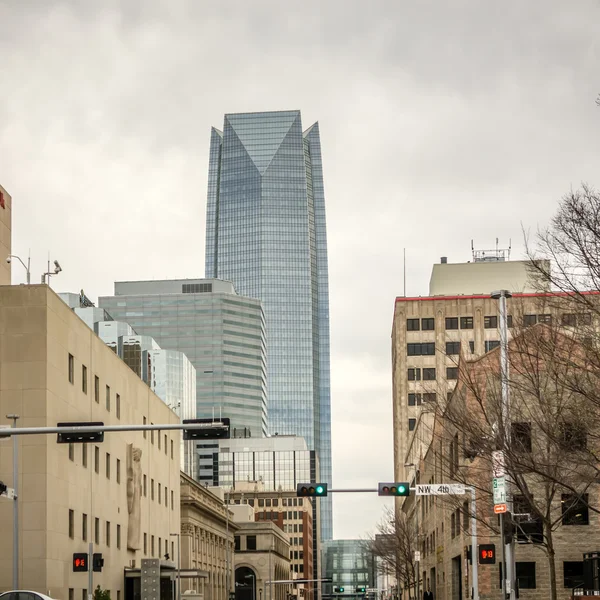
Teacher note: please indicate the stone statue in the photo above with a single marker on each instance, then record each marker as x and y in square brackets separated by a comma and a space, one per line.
[134, 495]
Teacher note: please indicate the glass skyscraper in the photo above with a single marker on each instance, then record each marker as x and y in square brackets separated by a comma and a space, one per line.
[266, 233]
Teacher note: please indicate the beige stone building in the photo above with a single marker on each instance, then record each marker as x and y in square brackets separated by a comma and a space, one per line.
[207, 540]
[5, 235]
[261, 556]
[429, 332]
[122, 494]
[444, 527]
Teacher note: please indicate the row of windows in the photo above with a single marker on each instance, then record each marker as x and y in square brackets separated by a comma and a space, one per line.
[418, 399]
[84, 530]
[452, 348]
[491, 321]
[429, 373]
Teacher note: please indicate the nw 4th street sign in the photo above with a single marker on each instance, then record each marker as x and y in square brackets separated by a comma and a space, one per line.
[499, 486]
[440, 489]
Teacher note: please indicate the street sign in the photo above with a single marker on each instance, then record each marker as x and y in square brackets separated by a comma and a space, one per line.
[498, 469]
[440, 489]
[417, 556]
[499, 508]
[499, 487]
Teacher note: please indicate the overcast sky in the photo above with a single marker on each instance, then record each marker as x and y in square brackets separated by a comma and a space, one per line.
[441, 122]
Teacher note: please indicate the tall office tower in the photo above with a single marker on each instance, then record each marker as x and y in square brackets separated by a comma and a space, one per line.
[221, 333]
[430, 333]
[266, 232]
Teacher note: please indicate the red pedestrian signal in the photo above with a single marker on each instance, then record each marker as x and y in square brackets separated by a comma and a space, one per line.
[487, 554]
[80, 562]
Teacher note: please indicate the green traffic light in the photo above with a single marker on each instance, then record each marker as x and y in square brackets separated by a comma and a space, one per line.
[320, 489]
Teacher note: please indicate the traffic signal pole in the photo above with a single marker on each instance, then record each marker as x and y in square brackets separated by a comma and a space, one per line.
[91, 571]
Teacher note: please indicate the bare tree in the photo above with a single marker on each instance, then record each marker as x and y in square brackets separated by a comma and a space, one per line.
[394, 545]
[550, 443]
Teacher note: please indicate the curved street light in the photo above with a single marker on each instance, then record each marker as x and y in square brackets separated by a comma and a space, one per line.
[9, 260]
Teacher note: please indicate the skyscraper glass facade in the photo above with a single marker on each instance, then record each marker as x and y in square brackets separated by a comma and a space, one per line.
[266, 233]
[222, 334]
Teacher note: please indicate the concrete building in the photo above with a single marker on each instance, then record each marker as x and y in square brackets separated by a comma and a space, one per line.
[168, 373]
[261, 556]
[122, 494]
[5, 235]
[266, 232]
[293, 515]
[222, 334]
[207, 540]
[443, 526]
[429, 332]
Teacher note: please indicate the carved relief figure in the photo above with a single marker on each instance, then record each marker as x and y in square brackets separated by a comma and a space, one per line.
[134, 494]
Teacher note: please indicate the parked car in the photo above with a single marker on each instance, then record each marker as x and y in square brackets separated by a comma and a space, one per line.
[23, 595]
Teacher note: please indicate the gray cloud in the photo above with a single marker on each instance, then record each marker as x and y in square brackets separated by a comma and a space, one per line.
[440, 122]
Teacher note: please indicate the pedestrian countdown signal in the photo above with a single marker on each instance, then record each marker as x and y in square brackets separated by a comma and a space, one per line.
[487, 554]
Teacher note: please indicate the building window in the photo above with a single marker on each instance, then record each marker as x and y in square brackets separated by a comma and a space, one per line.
[159, 492]
[575, 509]
[172, 501]
[237, 546]
[152, 434]
[107, 465]
[171, 449]
[429, 374]
[451, 372]
[118, 536]
[97, 459]
[472, 347]
[84, 455]
[529, 320]
[251, 542]
[71, 594]
[152, 489]
[84, 379]
[423, 349]
[145, 432]
[509, 322]
[108, 398]
[146, 543]
[428, 324]
[84, 523]
[525, 572]
[545, 319]
[166, 497]
[451, 322]
[574, 437]
[152, 545]
[97, 389]
[108, 533]
[84, 594]
[96, 530]
[118, 405]
[71, 524]
[118, 471]
[572, 319]
[430, 397]
[491, 344]
[414, 374]
[573, 574]
[452, 348]
[412, 424]
[412, 324]
[145, 487]
[71, 369]
[521, 436]
[414, 399]
[466, 322]
[72, 452]
[165, 445]
[530, 529]
[158, 440]
[490, 322]
[159, 546]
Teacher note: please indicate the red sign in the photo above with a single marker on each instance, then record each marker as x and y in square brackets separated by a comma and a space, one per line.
[499, 508]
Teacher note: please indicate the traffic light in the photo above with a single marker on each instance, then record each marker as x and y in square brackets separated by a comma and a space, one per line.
[401, 488]
[338, 589]
[311, 489]
[80, 562]
[361, 589]
[487, 554]
[80, 437]
[508, 528]
[97, 562]
[214, 430]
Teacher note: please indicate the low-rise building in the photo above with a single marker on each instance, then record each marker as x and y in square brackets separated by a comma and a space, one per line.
[121, 495]
[207, 540]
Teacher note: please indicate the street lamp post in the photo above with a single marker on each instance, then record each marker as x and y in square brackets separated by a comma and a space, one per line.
[178, 564]
[253, 577]
[507, 549]
[27, 266]
[15, 504]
